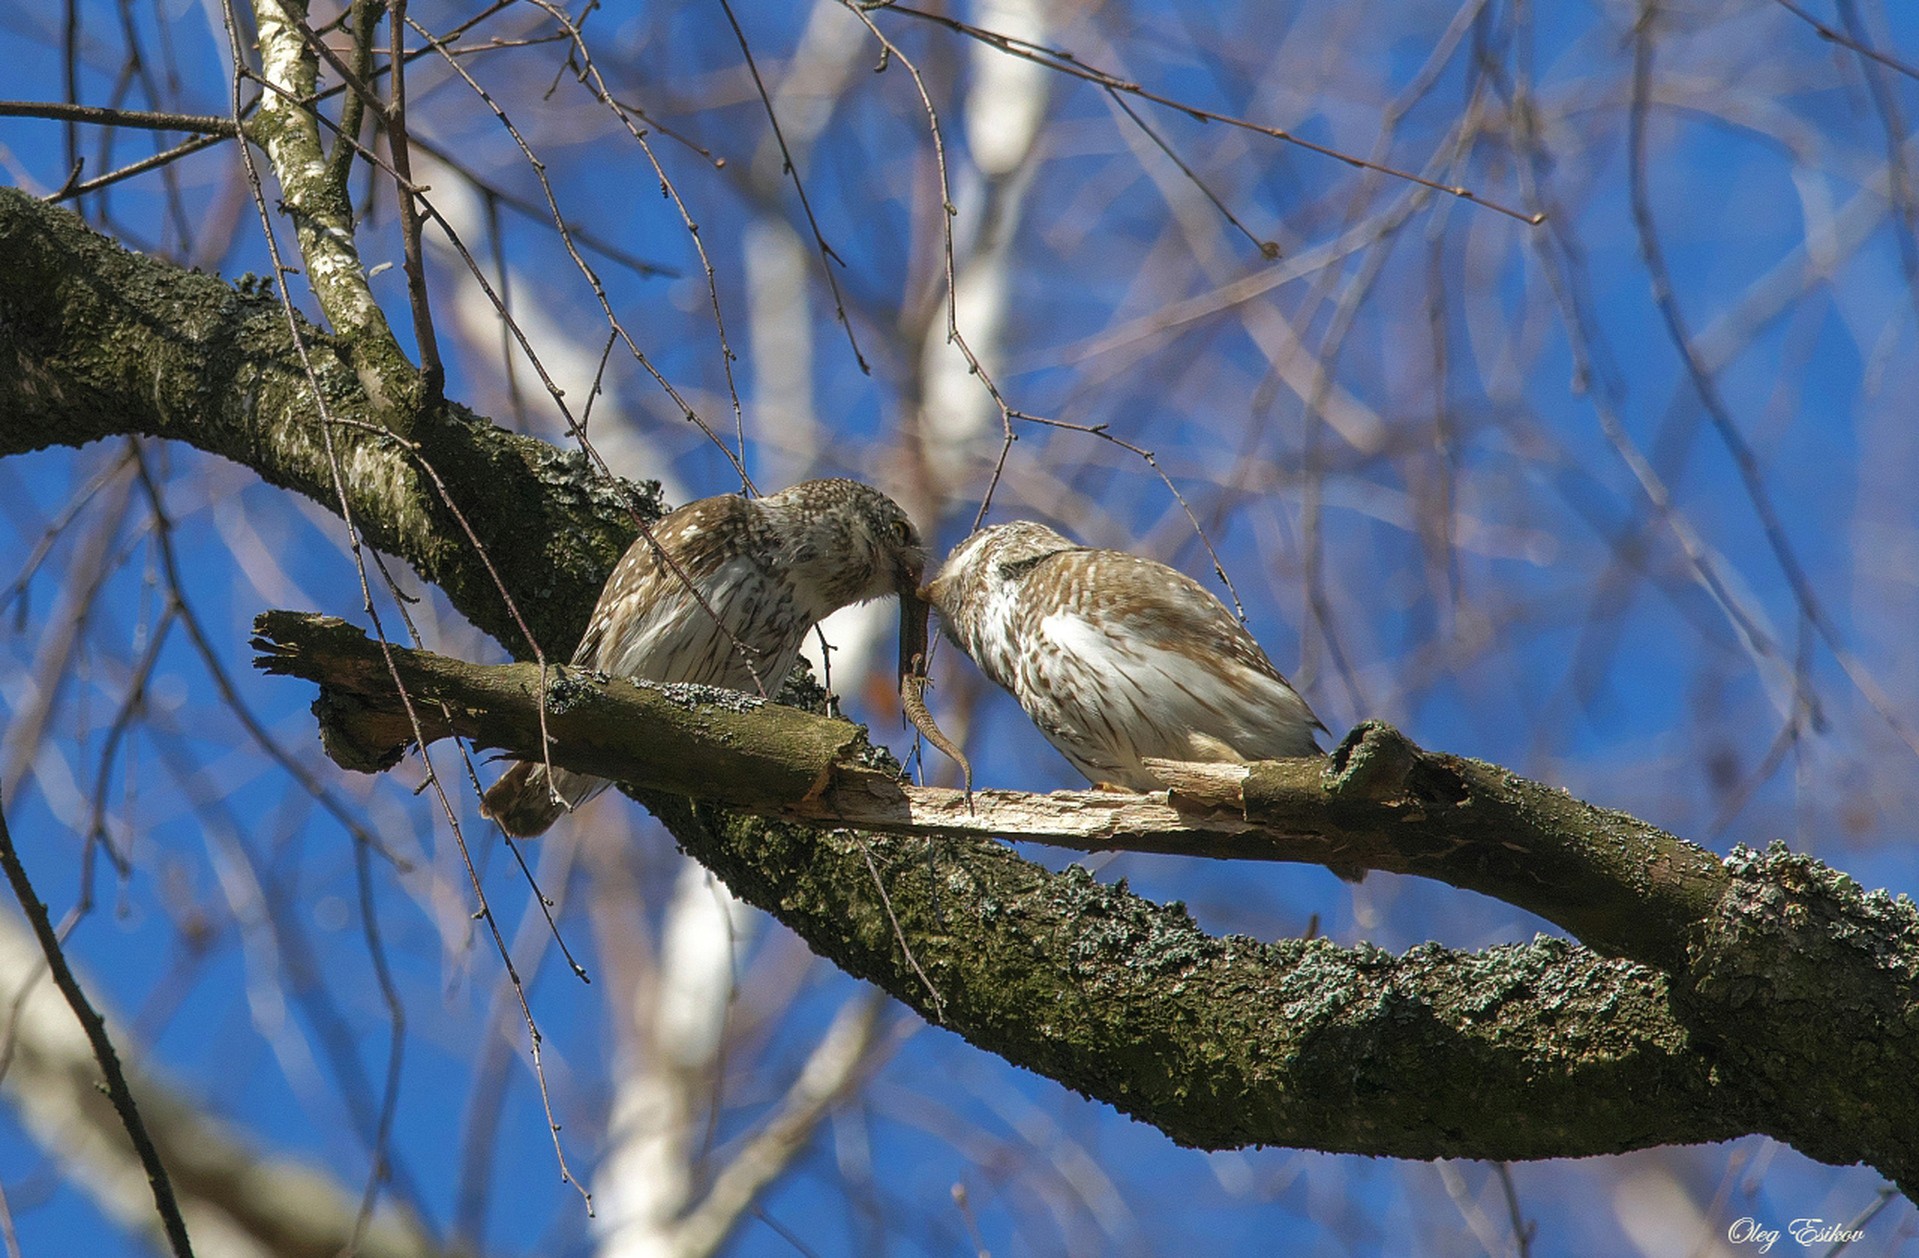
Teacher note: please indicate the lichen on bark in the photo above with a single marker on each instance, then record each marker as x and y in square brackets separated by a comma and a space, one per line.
[1529, 1050]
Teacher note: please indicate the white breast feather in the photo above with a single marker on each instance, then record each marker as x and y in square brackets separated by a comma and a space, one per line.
[991, 634]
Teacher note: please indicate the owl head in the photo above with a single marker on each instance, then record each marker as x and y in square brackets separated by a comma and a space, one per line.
[842, 543]
[980, 578]
[846, 543]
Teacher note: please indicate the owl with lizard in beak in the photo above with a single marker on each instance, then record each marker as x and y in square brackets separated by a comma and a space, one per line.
[722, 592]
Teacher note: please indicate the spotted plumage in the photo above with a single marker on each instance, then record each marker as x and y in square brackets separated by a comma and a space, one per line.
[722, 593]
[1115, 657]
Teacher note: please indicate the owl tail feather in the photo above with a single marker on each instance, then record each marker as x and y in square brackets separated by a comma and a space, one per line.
[523, 802]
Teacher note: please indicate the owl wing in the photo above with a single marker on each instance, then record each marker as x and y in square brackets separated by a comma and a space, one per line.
[1134, 659]
[675, 605]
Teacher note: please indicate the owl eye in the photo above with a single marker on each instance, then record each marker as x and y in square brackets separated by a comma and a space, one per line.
[903, 530]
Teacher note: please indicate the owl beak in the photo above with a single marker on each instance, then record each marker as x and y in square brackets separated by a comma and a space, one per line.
[914, 611]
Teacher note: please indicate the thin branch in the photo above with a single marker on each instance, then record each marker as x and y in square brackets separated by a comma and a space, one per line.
[590, 79]
[1268, 249]
[364, 16]
[141, 167]
[1843, 40]
[948, 211]
[203, 645]
[433, 373]
[1067, 63]
[1524, 1229]
[827, 256]
[1772, 527]
[140, 119]
[103, 1052]
[295, 68]
[835, 1065]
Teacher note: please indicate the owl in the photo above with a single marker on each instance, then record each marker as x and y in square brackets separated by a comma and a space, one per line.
[722, 593]
[1115, 657]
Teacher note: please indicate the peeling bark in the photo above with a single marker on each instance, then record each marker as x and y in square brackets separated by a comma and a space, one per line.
[1379, 802]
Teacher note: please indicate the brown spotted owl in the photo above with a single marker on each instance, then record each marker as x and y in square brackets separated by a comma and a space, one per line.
[721, 593]
[1115, 657]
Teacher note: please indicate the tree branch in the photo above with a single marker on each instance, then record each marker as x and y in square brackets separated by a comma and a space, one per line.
[1624, 887]
[681, 738]
[836, 1063]
[139, 119]
[289, 128]
[1379, 802]
[235, 1196]
[96, 342]
[1792, 1011]
[165, 1204]
[1228, 1042]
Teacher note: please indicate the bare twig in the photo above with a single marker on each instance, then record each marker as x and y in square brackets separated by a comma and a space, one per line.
[292, 55]
[146, 120]
[1844, 40]
[399, 142]
[828, 258]
[1719, 413]
[103, 1051]
[1067, 63]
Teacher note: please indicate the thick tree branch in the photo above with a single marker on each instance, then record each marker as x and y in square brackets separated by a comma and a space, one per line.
[1379, 802]
[1616, 883]
[97, 342]
[1218, 1042]
[1206, 1038]
[1222, 1043]
[766, 754]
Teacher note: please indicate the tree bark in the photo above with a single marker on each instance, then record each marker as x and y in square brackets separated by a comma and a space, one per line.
[1783, 1000]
